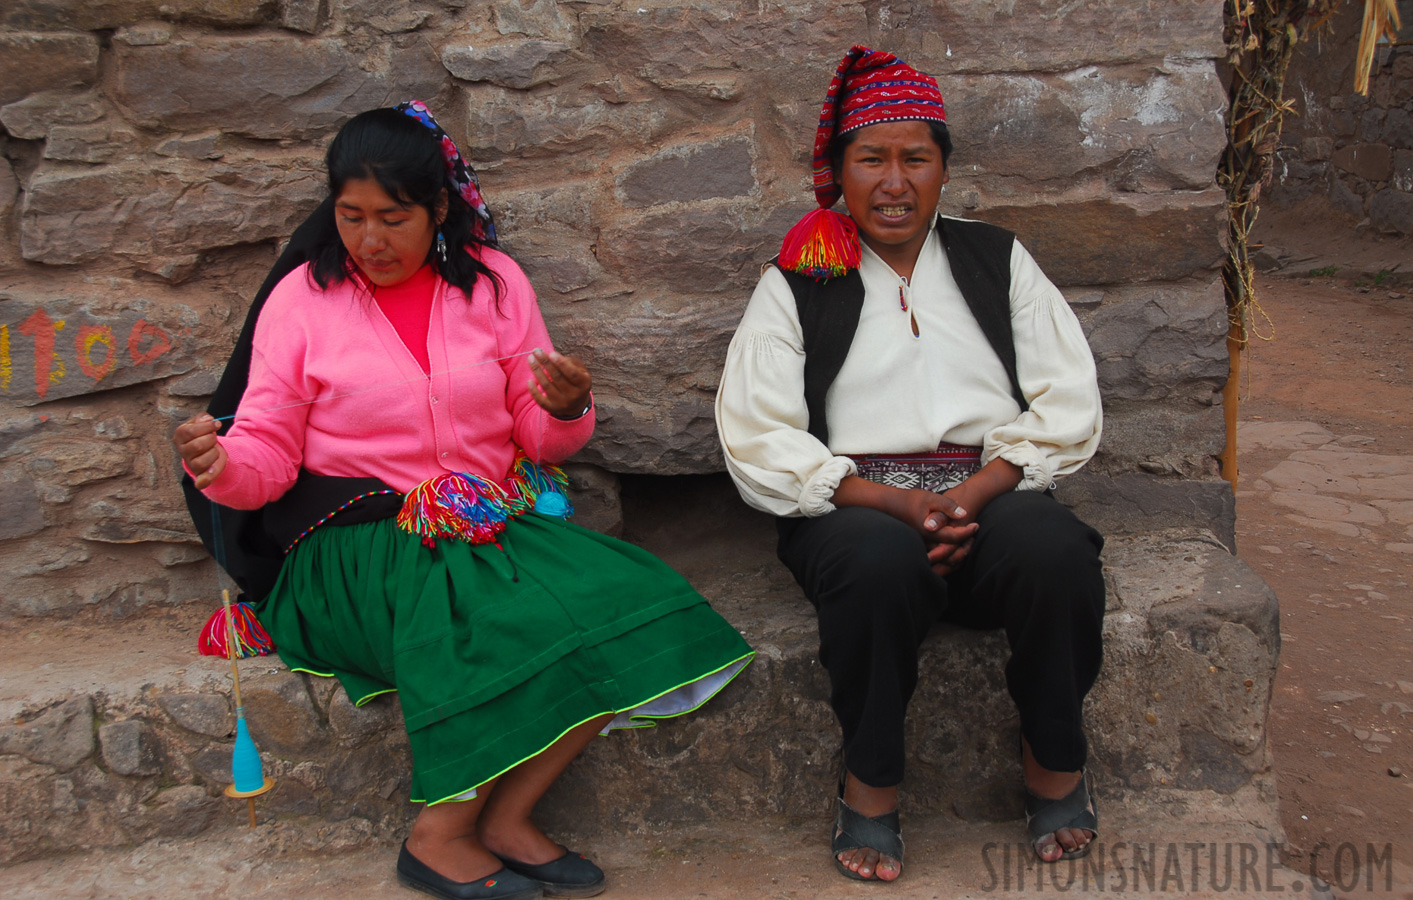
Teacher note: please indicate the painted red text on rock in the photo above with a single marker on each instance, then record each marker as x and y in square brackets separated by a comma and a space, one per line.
[142, 331]
[87, 337]
[95, 349]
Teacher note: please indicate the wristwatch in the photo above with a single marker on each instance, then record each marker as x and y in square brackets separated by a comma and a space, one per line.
[582, 413]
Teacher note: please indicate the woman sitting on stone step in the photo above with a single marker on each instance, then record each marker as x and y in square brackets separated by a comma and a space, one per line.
[401, 407]
[903, 391]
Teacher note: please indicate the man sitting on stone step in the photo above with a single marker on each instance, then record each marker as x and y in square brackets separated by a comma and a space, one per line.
[902, 392]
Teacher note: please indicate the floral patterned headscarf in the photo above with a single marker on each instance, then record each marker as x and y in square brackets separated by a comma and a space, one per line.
[460, 176]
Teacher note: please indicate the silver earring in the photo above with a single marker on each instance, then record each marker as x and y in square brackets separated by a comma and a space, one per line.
[441, 246]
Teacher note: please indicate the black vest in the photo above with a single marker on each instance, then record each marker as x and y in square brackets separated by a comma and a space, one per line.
[980, 257]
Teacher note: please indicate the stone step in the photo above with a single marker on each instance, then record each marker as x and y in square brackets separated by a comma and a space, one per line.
[117, 732]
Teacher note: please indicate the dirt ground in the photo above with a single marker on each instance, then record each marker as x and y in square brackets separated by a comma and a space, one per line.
[1324, 515]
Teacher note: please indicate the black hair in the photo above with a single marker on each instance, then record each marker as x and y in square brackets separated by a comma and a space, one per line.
[840, 142]
[405, 158]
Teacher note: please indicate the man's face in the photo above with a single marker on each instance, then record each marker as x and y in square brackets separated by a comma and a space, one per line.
[892, 176]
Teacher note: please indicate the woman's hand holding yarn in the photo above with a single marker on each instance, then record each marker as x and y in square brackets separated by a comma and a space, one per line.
[195, 440]
[561, 384]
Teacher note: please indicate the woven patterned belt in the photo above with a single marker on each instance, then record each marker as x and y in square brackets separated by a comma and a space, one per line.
[946, 467]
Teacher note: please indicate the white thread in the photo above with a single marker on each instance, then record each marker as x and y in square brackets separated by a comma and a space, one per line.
[540, 438]
[376, 387]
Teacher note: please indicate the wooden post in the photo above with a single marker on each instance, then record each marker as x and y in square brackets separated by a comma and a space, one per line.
[1230, 394]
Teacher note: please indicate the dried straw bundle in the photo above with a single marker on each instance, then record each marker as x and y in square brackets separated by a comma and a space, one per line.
[1380, 20]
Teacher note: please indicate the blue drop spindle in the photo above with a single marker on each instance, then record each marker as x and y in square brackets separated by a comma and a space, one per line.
[245, 761]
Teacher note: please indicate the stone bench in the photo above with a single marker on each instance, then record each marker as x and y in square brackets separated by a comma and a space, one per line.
[115, 731]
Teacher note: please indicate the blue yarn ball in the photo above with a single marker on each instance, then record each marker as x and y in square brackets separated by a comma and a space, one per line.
[552, 503]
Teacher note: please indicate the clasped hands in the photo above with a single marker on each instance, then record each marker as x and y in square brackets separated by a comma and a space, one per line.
[947, 527]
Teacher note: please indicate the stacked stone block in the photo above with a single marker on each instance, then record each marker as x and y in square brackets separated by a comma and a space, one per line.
[134, 761]
[1343, 152]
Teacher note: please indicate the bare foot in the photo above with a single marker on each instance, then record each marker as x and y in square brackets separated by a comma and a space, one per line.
[870, 802]
[1052, 785]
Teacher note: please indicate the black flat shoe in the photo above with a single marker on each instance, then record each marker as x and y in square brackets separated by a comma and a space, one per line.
[572, 875]
[502, 884]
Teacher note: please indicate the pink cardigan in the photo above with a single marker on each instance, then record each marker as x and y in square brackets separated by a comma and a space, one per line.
[375, 412]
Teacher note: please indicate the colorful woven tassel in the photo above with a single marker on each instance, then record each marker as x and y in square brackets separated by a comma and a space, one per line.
[475, 510]
[824, 244]
[455, 505]
[250, 637]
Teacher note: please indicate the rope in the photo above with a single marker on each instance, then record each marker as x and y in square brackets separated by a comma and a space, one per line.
[540, 438]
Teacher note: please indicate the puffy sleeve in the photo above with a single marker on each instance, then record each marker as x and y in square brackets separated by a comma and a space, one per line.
[1061, 430]
[520, 328]
[778, 466]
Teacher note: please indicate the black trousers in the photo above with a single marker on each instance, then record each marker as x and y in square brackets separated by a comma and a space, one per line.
[1033, 570]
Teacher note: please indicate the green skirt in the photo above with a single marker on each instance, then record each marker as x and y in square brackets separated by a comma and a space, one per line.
[496, 652]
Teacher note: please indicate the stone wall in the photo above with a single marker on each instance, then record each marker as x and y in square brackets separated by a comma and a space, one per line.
[644, 158]
[1343, 153]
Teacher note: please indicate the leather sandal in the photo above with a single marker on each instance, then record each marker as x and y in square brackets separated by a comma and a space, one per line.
[501, 884]
[572, 875]
[853, 830]
[1077, 809]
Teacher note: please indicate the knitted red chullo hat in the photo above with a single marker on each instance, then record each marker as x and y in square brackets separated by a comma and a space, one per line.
[870, 86]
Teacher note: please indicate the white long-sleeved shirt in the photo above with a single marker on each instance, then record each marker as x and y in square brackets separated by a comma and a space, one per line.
[897, 393]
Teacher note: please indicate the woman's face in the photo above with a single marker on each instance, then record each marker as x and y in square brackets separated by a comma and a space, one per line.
[389, 241]
[892, 176]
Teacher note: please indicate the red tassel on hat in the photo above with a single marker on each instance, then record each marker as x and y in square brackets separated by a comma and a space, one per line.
[824, 244]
